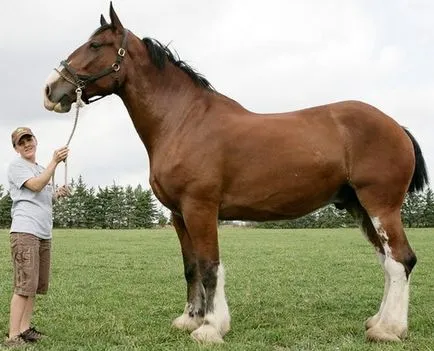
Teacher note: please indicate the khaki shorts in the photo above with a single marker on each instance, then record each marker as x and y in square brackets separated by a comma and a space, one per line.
[31, 261]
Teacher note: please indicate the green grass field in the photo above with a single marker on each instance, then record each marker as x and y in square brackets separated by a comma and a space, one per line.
[287, 290]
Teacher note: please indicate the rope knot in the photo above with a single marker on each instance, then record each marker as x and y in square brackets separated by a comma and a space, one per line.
[79, 103]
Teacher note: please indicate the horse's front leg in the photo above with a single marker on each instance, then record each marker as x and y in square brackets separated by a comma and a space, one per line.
[194, 310]
[201, 223]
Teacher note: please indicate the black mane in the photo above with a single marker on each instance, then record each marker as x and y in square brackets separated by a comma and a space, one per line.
[159, 55]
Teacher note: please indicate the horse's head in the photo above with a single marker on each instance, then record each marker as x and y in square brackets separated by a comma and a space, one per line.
[95, 67]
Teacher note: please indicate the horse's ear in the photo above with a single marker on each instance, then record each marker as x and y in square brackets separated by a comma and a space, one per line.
[102, 21]
[114, 18]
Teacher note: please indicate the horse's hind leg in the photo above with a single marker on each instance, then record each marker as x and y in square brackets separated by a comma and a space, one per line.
[194, 310]
[384, 229]
[365, 224]
[398, 262]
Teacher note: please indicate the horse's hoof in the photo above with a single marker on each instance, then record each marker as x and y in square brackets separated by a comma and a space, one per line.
[185, 322]
[225, 328]
[381, 333]
[371, 321]
[207, 334]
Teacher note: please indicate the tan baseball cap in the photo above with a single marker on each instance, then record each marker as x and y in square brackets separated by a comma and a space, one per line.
[18, 133]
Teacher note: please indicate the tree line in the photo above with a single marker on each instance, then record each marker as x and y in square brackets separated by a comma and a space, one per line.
[109, 207]
[118, 207]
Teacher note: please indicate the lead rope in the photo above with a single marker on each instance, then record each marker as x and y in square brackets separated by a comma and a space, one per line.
[78, 104]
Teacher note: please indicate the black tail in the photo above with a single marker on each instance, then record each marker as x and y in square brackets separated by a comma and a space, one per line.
[420, 175]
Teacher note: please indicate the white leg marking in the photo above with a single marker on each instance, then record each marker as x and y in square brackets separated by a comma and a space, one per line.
[396, 306]
[392, 321]
[217, 323]
[185, 322]
[375, 318]
[382, 234]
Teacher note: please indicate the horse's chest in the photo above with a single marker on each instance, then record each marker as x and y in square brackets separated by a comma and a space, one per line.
[164, 192]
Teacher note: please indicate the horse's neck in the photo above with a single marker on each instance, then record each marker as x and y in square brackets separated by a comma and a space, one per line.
[160, 103]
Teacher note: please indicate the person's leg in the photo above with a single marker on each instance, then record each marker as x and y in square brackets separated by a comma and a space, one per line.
[25, 258]
[27, 315]
[28, 332]
[18, 307]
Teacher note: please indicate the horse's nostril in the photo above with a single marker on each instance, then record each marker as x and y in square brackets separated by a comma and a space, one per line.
[47, 90]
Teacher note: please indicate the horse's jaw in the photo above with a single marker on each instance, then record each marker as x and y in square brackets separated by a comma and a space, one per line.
[56, 106]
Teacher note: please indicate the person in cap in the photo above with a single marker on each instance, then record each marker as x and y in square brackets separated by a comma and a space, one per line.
[32, 197]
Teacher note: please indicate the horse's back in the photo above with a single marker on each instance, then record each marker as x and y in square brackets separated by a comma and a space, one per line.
[292, 163]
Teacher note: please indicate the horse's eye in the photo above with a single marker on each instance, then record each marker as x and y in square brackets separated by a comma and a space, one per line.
[95, 45]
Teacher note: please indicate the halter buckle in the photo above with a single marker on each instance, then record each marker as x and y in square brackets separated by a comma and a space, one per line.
[116, 67]
[121, 52]
[81, 84]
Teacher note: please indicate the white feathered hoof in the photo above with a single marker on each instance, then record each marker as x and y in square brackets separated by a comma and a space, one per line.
[382, 333]
[226, 326]
[207, 334]
[371, 321]
[185, 322]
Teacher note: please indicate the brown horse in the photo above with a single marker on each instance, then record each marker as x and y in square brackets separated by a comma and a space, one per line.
[212, 159]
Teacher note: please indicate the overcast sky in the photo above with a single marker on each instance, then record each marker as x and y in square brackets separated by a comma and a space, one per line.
[270, 56]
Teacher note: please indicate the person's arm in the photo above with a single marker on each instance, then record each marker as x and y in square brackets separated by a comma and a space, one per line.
[38, 183]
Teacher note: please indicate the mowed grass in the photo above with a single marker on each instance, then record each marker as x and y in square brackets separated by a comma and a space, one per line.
[287, 290]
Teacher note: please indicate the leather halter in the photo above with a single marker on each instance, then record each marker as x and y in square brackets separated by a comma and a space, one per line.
[82, 80]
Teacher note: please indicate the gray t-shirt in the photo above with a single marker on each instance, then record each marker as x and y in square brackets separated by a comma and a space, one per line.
[31, 211]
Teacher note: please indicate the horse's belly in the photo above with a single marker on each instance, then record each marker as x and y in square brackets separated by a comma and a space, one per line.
[273, 194]
[255, 214]
[277, 207]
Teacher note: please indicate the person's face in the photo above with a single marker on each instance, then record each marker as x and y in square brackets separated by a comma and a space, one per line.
[26, 147]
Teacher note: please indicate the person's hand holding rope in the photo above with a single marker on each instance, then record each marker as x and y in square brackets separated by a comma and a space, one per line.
[61, 192]
[60, 154]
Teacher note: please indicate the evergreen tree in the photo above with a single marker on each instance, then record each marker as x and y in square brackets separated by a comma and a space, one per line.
[102, 207]
[5, 208]
[80, 203]
[91, 209]
[60, 215]
[161, 218]
[412, 210]
[130, 207]
[115, 216]
[145, 211]
[428, 213]
[71, 211]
